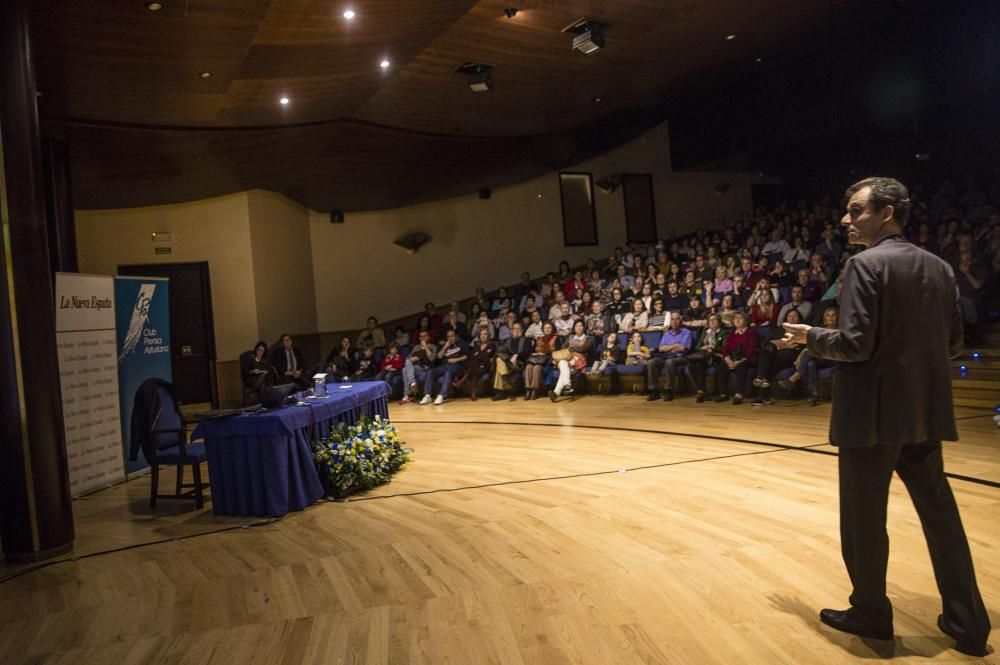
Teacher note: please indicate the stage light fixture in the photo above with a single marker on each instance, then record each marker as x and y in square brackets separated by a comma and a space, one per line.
[205, 75]
[349, 14]
[478, 76]
[384, 64]
[284, 101]
[510, 12]
[730, 37]
[154, 6]
[589, 35]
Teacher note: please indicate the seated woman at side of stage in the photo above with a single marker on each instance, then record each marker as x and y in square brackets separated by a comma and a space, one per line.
[545, 344]
[256, 369]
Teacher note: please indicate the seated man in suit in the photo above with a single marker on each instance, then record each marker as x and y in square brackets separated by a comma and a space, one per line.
[288, 363]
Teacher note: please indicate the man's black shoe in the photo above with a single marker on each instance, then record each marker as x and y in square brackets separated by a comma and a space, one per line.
[652, 397]
[497, 396]
[964, 648]
[668, 396]
[847, 621]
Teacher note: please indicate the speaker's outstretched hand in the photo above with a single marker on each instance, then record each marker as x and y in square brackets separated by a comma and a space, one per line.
[795, 333]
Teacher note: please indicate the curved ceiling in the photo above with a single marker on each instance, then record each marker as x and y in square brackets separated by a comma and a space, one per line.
[121, 83]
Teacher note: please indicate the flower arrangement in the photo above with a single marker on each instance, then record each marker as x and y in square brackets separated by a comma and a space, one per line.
[357, 457]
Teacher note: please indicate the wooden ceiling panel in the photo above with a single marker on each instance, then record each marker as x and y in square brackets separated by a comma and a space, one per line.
[122, 83]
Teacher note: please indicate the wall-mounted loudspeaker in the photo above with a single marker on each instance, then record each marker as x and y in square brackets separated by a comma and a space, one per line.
[336, 216]
[485, 193]
[609, 183]
[412, 241]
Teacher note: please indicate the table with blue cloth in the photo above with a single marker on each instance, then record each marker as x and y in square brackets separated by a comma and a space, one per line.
[261, 464]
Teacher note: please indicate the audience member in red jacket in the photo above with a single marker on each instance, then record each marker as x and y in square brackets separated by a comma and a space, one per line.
[739, 354]
[391, 366]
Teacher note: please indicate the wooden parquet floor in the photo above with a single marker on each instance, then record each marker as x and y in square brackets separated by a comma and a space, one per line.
[601, 531]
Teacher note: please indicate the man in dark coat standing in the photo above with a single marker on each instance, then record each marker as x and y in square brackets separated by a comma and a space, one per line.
[892, 407]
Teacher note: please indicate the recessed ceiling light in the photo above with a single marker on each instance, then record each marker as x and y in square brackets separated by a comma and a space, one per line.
[154, 6]
[284, 101]
[597, 100]
[759, 59]
[205, 75]
[349, 14]
[730, 37]
[384, 64]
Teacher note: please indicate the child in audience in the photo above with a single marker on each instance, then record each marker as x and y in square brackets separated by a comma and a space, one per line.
[637, 353]
[611, 356]
[365, 368]
[392, 364]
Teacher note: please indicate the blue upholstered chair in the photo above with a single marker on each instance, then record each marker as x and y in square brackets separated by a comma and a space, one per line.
[168, 445]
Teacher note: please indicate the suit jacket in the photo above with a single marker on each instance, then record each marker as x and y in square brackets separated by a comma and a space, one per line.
[280, 362]
[145, 409]
[899, 325]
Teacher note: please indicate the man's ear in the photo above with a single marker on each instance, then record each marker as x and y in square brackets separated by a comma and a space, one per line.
[889, 213]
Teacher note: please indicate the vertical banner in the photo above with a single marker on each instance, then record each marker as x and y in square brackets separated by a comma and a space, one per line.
[88, 374]
[142, 317]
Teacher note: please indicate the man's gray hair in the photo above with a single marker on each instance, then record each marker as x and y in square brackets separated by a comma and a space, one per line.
[885, 192]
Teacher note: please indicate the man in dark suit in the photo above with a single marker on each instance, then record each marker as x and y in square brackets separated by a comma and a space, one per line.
[892, 407]
[288, 362]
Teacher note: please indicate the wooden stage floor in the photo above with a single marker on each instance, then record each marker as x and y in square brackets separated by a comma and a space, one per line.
[601, 531]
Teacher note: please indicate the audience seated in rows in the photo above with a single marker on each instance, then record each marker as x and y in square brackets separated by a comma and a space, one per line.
[710, 303]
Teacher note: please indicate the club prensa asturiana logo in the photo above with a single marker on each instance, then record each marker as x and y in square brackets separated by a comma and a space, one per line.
[140, 316]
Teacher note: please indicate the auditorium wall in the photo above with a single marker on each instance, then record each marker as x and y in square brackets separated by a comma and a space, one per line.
[488, 243]
[276, 266]
[214, 230]
[282, 265]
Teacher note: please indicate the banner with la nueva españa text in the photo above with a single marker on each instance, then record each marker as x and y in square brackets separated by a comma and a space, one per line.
[88, 374]
[142, 317]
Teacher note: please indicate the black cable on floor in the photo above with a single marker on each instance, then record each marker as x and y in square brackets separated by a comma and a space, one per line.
[784, 446]
[71, 558]
[589, 474]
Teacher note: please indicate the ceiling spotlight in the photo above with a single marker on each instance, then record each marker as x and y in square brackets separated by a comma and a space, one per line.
[205, 75]
[589, 35]
[922, 156]
[284, 101]
[759, 59]
[384, 64]
[349, 14]
[730, 37]
[154, 6]
[597, 100]
[478, 76]
[510, 12]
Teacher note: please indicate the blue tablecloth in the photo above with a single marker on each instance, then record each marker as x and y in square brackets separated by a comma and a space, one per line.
[261, 464]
